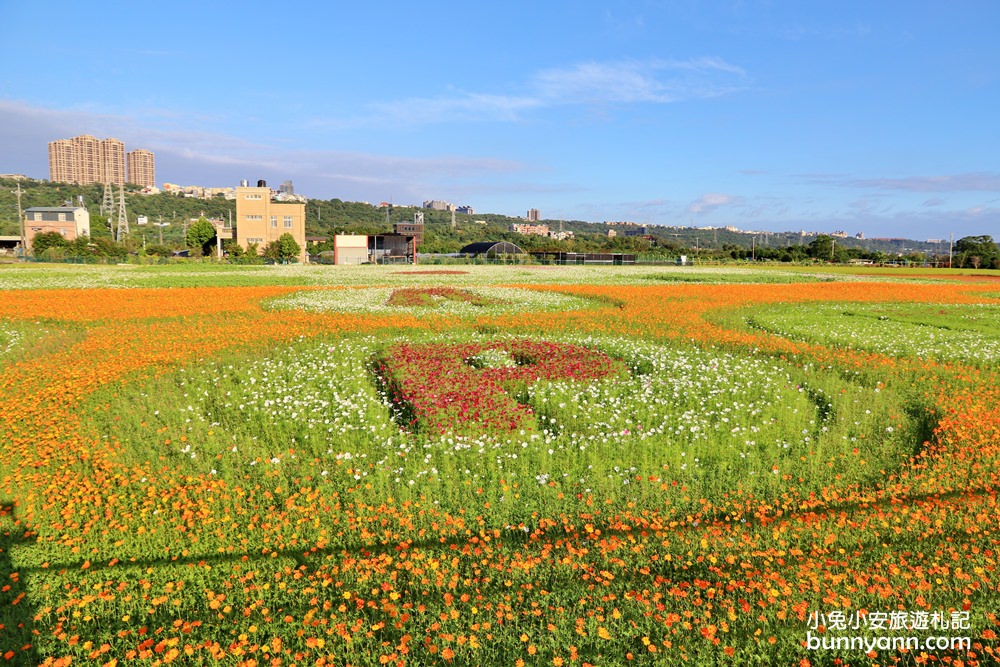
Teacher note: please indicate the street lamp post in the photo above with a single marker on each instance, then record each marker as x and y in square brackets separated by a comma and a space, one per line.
[20, 220]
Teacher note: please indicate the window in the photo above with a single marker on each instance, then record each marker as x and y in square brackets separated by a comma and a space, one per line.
[288, 222]
[274, 221]
[38, 216]
[253, 217]
[62, 217]
[251, 196]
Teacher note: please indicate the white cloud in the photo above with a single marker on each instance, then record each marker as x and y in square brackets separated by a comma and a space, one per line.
[191, 155]
[590, 83]
[465, 107]
[710, 201]
[977, 181]
[626, 82]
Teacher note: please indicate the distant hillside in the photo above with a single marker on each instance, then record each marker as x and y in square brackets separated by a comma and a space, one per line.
[327, 217]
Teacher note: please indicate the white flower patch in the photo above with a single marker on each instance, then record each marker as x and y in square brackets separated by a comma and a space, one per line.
[9, 339]
[704, 416]
[969, 333]
[375, 300]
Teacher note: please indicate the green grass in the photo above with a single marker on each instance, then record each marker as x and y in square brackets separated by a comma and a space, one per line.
[207, 274]
[969, 333]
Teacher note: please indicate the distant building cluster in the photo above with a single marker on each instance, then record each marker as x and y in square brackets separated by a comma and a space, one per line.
[530, 230]
[540, 230]
[534, 215]
[86, 159]
[198, 192]
[441, 205]
[284, 193]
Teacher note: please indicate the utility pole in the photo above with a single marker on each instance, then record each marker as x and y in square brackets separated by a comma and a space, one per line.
[951, 248]
[20, 219]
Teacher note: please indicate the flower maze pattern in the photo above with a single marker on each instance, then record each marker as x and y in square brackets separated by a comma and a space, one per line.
[108, 559]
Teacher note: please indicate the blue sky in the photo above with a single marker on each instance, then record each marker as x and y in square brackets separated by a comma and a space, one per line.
[879, 117]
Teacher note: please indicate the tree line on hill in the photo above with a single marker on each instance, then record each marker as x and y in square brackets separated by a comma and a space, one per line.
[172, 219]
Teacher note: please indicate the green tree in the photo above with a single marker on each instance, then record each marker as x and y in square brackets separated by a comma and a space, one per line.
[821, 247]
[977, 252]
[285, 248]
[233, 249]
[201, 236]
[157, 250]
[105, 247]
[83, 246]
[46, 240]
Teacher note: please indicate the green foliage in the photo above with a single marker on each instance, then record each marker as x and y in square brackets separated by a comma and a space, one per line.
[821, 247]
[233, 249]
[201, 236]
[284, 249]
[156, 250]
[974, 252]
[237, 255]
[42, 242]
[105, 247]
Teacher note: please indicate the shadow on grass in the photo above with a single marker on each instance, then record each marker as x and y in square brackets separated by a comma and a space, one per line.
[16, 613]
[18, 617]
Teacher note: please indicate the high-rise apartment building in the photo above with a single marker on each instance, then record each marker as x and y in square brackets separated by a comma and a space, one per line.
[142, 168]
[534, 215]
[86, 159]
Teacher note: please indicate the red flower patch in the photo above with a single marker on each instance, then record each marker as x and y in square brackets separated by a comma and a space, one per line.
[437, 388]
[430, 296]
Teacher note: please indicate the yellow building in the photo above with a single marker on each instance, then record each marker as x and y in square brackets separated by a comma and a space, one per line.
[262, 221]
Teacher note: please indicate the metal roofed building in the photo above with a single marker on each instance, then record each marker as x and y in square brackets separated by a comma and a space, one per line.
[494, 250]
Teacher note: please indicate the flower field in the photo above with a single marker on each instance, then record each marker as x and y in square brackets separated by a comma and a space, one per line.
[496, 466]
